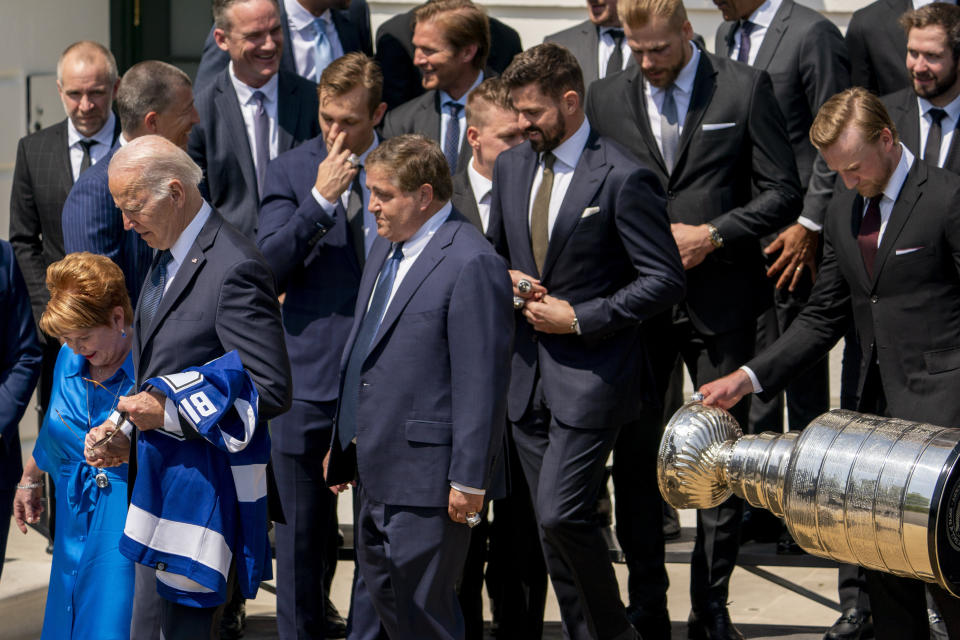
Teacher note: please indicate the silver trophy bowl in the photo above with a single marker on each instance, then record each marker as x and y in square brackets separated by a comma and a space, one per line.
[878, 492]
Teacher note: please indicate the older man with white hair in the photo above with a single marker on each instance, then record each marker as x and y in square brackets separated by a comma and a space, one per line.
[209, 293]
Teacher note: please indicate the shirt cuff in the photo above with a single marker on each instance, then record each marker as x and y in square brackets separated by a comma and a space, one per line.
[807, 223]
[126, 427]
[753, 378]
[325, 204]
[465, 489]
[171, 418]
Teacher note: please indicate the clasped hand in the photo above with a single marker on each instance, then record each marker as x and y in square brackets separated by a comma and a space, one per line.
[544, 312]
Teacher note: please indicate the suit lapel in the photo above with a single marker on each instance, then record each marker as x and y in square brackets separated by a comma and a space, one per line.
[428, 117]
[953, 156]
[726, 38]
[378, 255]
[464, 191]
[427, 261]
[704, 85]
[288, 112]
[590, 37]
[587, 178]
[345, 31]
[907, 119]
[518, 226]
[636, 98]
[228, 109]
[852, 250]
[65, 171]
[909, 196]
[774, 35]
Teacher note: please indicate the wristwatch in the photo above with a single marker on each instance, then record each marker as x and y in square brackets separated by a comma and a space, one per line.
[715, 238]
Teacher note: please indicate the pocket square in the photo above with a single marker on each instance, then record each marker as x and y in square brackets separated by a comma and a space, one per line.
[718, 125]
[903, 252]
[589, 211]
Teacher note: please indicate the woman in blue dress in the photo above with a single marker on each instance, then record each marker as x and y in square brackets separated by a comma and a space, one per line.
[91, 584]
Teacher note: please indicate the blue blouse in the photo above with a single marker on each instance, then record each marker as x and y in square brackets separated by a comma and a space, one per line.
[91, 584]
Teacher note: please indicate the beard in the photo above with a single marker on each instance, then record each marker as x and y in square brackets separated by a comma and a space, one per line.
[940, 85]
[548, 141]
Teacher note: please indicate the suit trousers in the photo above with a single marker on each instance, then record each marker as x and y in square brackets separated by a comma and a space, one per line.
[310, 511]
[409, 559]
[565, 468]
[155, 618]
[707, 358]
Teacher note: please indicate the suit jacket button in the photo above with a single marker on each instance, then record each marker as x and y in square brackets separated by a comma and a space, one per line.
[671, 195]
[874, 299]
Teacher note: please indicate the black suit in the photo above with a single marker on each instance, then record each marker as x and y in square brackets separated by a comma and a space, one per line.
[905, 112]
[464, 200]
[907, 318]
[878, 47]
[353, 29]
[611, 256]
[806, 58]
[219, 143]
[583, 41]
[734, 169]
[401, 79]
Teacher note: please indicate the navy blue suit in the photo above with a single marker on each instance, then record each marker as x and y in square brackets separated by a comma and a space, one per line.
[431, 411]
[92, 222]
[20, 357]
[612, 257]
[317, 268]
[352, 25]
[219, 144]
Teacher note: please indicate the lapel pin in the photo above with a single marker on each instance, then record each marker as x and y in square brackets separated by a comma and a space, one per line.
[194, 261]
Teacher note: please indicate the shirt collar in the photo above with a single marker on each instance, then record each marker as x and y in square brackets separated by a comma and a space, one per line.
[952, 109]
[299, 18]
[765, 13]
[480, 185]
[188, 236]
[686, 77]
[104, 136]
[416, 243]
[445, 97]
[245, 91]
[568, 152]
[899, 176]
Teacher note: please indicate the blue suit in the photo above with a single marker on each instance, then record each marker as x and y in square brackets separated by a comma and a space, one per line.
[219, 143]
[318, 270]
[612, 257]
[92, 222]
[431, 411]
[19, 369]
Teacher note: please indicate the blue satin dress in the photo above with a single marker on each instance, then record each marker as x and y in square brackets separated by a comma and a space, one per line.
[91, 584]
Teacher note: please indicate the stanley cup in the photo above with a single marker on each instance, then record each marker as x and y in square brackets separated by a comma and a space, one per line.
[879, 492]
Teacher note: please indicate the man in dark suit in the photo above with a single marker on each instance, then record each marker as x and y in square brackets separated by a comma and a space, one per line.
[878, 46]
[47, 164]
[345, 26]
[585, 231]
[395, 53]
[251, 112]
[424, 381]
[154, 98]
[711, 130]
[318, 265]
[891, 260]
[597, 42]
[209, 292]
[20, 357]
[451, 39]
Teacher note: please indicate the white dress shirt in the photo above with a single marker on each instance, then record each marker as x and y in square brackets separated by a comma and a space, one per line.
[568, 154]
[446, 118]
[922, 3]
[369, 220]
[303, 33]
[248, 107]
[104, 139]
[605, 50]
[683, 89]
[482, 189]
[762, 18]
[890, 194]
[947, 126]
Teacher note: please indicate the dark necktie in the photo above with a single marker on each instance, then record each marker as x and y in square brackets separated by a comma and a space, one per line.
[669, 129]
[451, 141]
[355, 218]
[347, 416]
[86, 161]
[261, 139]
[615, 61]
[540, 215]
[153, 288]
[931, 152]
[746, 28]
[869, 233]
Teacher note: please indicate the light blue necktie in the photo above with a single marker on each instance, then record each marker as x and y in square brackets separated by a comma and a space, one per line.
[322, 47]
[347, 416]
